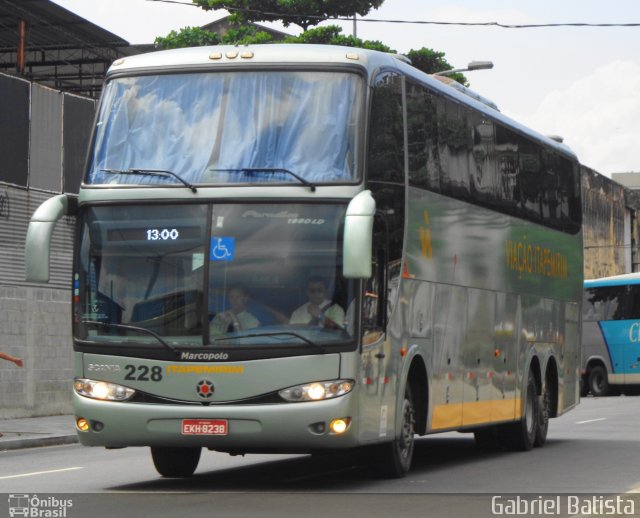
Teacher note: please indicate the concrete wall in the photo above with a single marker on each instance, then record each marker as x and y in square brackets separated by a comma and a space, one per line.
[43, 139]
[35, 324]
[35, 319]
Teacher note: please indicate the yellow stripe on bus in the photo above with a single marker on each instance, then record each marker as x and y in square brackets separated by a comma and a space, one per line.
[472, 413]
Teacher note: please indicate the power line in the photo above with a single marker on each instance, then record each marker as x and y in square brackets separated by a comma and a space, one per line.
[415, 22]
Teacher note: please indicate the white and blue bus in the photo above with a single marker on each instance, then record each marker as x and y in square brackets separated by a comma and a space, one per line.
[611, 335]
[291, 248]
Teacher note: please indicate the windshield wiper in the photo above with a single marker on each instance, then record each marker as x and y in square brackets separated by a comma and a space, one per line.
[274, 170]
[140, 330]
[152, 172]
[271, 170]
[281, 333]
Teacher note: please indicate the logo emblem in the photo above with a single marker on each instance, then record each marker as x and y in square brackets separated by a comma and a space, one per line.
[205, 389]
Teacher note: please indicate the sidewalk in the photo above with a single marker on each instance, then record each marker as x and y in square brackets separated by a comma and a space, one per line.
[33, 432]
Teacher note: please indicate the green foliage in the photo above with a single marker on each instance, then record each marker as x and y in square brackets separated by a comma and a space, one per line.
[187, 37]
[305, 13]
[246, 35]
[331, 35]
[197, 37]
[431, 61]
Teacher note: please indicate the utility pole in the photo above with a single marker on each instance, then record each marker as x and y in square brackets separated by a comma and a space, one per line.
[355, 28]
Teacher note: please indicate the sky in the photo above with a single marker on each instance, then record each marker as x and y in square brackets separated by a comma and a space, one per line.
[582, 83]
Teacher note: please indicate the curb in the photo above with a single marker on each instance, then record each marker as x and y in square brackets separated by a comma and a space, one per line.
[19, 444]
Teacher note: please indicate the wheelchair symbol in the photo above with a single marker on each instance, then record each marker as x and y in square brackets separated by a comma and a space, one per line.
[222, 248]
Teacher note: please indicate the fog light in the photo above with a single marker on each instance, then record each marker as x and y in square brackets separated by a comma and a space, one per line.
[82, 424]
[339, 426]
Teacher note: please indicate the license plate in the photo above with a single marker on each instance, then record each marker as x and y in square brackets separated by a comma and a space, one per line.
[204, 427]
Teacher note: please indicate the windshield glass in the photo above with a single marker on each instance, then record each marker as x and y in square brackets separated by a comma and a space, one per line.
[213, 128]
[245, 275]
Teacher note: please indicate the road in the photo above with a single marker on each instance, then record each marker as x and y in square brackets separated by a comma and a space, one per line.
[592, 449]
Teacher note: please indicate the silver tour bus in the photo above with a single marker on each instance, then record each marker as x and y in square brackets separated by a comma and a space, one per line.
[292, 248]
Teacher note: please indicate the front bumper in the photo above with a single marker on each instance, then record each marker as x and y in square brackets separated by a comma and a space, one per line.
[286, 427]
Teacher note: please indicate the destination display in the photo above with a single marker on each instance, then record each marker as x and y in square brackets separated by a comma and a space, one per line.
[153, 234]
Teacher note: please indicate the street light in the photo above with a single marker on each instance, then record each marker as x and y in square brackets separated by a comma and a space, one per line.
[474, 65]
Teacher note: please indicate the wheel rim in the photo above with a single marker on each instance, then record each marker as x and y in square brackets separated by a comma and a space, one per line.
[546, 407]
[598, 382]
[405, 443]
[529, 419]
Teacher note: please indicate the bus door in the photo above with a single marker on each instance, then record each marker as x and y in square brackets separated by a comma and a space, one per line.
[631, 354]
[376, 415]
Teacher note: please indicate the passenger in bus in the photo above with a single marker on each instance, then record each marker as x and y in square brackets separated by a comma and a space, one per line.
[319, 310]
[236, 318]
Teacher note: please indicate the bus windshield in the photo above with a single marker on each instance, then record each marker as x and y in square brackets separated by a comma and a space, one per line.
[213, 275]
[229, 128]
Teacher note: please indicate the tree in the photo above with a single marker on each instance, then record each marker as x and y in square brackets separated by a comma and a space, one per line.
[198, 37]
[431, 61]
[304, 13]
[331, 35]
[187, 37]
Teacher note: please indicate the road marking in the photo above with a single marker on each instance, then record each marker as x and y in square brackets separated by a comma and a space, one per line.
[39, 473]
[592, 420]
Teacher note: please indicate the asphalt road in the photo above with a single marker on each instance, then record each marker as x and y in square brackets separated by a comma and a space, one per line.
[593, 449]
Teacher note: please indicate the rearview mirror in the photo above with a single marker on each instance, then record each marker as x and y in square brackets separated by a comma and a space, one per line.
[358, 236]
[38, 242]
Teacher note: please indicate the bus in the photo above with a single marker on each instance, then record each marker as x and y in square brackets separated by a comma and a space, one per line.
[308, 249]
[611, 335]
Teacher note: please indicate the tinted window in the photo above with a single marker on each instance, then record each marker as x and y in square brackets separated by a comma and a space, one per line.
[386, 174]
[467, 155]
[422, 133]
[612, 303]
[386, 136]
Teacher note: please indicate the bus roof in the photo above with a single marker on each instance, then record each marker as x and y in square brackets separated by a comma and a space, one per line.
[267, 54]
[615, 280]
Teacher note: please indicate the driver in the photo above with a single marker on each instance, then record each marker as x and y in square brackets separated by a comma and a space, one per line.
[236, 318]
[319, 310]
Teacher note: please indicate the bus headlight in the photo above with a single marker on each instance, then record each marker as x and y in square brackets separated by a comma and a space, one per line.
[317, 391]
[102, 390]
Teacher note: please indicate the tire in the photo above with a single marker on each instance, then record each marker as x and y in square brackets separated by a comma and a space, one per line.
[544, 411]
[521, 436]
[598, 381]
[393, 459]
[175, 462]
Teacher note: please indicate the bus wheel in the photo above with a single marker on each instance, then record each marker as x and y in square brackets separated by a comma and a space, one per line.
[598, 383]
[544, 411]
[393, 459]
[520, 436]
[175, 462]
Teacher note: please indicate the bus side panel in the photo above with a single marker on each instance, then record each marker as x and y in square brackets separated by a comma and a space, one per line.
[473, 255]
[620, 339]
